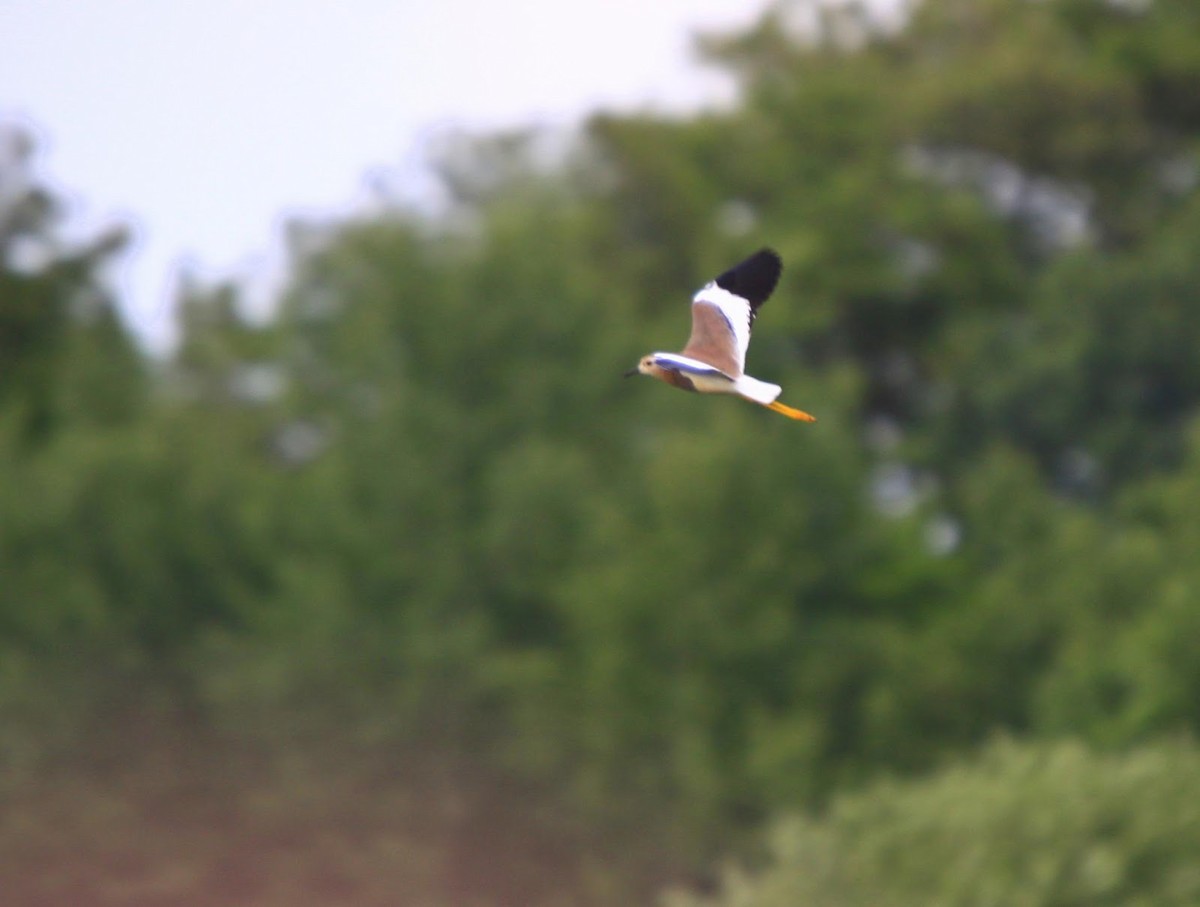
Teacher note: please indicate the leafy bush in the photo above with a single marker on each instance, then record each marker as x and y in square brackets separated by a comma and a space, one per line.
[1048, 825]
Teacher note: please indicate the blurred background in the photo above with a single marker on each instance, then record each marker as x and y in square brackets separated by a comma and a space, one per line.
[338, 565]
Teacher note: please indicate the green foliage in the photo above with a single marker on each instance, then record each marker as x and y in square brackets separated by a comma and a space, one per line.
[1050, 825]
[416, 523]
[63, 355]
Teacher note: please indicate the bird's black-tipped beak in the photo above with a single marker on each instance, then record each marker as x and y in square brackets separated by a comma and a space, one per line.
[629, 374]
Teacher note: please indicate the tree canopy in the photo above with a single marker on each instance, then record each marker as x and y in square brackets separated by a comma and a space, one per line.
[410, 561]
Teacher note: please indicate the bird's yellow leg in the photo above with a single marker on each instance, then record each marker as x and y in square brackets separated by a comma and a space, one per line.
[790, 413]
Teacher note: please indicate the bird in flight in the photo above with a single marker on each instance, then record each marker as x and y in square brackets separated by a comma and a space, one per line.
[714, 359]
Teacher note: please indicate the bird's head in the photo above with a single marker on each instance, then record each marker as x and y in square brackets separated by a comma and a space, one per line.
[645, 366]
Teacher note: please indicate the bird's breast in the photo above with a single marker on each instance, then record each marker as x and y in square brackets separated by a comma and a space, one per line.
[702, 383]
[681, 381]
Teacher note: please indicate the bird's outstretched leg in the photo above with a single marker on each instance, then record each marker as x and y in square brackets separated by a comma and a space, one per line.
[790, 412]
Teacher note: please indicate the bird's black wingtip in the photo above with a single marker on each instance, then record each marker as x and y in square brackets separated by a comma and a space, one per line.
[754, 279]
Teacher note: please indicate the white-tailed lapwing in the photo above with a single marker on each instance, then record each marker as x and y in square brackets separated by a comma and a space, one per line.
[715, 355]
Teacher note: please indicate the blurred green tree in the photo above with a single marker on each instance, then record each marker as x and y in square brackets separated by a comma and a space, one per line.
[1046, 826]
[63, 353]
[416, 519]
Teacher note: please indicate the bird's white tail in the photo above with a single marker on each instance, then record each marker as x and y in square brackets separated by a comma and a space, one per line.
[758, 391]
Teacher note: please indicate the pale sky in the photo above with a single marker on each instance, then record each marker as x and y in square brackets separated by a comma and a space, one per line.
[206, 124]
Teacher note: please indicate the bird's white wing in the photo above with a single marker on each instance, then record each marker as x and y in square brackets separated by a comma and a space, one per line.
[680, 363]
[736, 313]
[723, 311]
